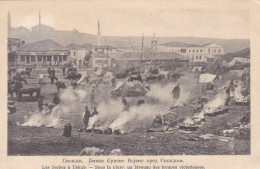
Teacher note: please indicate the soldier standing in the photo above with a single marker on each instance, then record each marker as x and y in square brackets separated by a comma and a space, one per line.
[176, 92]
[56, 99]
[86, 117]
[113, 81]
[18, 84]
[63, 70]
[53, 76]
[40, 103]
[124, 103]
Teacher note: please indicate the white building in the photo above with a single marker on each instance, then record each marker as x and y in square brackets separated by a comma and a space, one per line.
[195, 52]
[78, 56]
[242, 60]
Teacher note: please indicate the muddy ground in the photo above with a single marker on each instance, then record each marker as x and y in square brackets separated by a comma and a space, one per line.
[28, 140]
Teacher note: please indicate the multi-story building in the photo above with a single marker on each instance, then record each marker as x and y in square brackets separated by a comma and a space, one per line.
[195, 52]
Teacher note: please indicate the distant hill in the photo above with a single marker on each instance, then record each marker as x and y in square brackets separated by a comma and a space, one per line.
[75, 46]
[245, 53]
[67, 37]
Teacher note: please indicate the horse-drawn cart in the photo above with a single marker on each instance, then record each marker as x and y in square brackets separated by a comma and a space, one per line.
[209, 87]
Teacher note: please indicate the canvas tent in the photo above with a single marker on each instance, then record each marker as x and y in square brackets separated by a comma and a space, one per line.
[206, 78]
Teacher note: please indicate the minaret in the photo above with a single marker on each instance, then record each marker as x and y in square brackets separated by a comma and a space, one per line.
[39, 21]
[154, 43]
[39, 17]
[9, 22]
[98, 35]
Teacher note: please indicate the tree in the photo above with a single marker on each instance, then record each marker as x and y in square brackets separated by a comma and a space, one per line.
[87, 57]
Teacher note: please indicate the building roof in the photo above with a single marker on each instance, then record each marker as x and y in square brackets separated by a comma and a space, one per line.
[180, 44]
[43, 45]
[13, 41]
[100, 55]
[104, 47]
[146, 55]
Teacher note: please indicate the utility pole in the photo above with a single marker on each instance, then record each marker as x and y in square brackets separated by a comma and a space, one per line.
[107, 56]
[142, 52]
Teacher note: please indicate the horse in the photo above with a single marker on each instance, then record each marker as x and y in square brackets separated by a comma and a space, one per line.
[74, 76]
[174, 76]
[151, 77]
[26, 72]
[60, 85]
[135, 78]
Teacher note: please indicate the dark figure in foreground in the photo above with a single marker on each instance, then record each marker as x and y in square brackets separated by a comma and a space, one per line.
[124, 103]
[40, 103]
[63, 70]
[113, 81]
[86, 117]
[60, 85]
[228, 96]
[52, 76]
[94, 112]
[176, 92]
[49, 72]
[56, 99]
[18, 84]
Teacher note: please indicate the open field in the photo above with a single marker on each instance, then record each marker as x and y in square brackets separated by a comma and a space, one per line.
[32, 140]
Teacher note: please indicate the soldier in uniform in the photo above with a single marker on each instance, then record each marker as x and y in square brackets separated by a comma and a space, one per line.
[40, 103]
[52, 76]
[228, 96]
[86, 117]
[124, 103]
[176, 92]
[56, 99]
[63, 70]
[113, 81]
[18, 84]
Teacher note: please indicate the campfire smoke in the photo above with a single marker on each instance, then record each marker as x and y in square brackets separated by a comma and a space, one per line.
[70, 102]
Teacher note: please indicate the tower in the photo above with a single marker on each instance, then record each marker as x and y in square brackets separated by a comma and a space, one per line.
[9, 22]
[98, 35]
[39, 17]
[154, 43]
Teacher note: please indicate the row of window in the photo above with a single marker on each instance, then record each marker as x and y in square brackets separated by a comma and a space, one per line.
[197, 57]
[24, 58]
[101, 61]
[194, 50]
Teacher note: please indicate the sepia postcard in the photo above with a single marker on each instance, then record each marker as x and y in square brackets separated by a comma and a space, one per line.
[129, 84]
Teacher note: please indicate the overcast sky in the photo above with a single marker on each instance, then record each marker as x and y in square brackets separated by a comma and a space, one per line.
[214, 23]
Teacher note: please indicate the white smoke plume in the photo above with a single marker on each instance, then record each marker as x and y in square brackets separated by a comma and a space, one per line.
[219, 100]
[71, 103]
[107, 111]
[163, 94]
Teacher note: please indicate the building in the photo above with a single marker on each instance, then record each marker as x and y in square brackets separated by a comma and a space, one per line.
[13, 45]
[135, 59]
[77, 56]
[42, 53]
[242, 60]
[195, 52]
[101, 60]
[104, 49]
